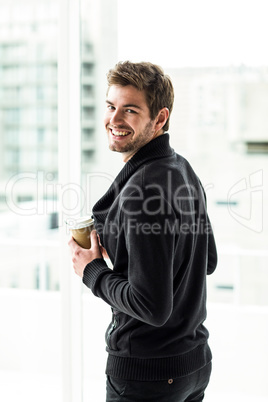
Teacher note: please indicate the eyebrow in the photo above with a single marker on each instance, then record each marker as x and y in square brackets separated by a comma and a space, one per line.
[127, 105]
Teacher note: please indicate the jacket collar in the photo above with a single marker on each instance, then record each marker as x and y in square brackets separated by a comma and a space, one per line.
[155, 149]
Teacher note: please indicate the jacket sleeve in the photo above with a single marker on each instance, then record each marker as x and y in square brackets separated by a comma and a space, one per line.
[212, 250]
[147, 293]
[212, 254]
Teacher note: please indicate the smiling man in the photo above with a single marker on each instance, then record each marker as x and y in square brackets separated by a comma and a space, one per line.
[153, 225]
[128, 121]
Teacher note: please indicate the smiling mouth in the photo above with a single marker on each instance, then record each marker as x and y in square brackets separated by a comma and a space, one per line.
[117, 133]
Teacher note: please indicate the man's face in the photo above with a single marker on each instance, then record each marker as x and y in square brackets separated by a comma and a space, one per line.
[127, 120]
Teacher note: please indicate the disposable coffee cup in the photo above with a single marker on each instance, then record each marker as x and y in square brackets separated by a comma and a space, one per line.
[81, 229]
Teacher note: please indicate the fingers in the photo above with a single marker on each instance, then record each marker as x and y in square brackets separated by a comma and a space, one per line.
[94, 239]
[74, 246]
[102, 249]
[72, 243]
[80, 256]
[95, 247]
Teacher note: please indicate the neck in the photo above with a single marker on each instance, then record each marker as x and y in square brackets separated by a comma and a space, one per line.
[127, 156]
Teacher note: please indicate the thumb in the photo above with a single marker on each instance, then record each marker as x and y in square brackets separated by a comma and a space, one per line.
[94, 239]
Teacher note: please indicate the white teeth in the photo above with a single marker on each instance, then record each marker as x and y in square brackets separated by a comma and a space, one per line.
[120, 133]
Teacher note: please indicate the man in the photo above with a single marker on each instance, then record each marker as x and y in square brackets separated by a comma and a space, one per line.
[153, 225]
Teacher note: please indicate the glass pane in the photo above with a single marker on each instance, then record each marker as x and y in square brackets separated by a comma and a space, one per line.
[29, 243]
[220, 124]
[99, 167]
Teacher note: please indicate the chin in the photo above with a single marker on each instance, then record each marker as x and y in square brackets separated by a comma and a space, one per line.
[113, 148]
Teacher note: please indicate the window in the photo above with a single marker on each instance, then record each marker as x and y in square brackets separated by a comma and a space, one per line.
[29, 234]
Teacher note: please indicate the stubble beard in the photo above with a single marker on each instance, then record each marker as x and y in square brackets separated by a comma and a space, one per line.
[135, 144]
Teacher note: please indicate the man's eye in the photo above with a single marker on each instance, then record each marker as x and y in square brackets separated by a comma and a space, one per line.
[110, 107]
[130, 111]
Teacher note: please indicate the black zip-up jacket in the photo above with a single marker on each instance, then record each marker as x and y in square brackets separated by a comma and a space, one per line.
[154, 225]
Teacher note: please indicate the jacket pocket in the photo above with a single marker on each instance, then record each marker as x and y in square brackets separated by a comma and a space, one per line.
[111, 333]
[116, 385]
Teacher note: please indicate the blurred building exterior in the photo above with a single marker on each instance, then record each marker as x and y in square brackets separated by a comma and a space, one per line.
[221, 107]
[29, 129]
[28, 97]
[220, 123]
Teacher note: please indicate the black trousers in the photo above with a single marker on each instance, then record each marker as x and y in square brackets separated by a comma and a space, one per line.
[190, 388]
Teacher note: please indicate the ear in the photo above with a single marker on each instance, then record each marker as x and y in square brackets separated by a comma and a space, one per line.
[161, 118]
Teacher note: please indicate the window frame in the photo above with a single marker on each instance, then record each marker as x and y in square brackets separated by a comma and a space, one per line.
[69, 168]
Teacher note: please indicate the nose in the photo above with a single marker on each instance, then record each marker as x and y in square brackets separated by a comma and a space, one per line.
[116, 118]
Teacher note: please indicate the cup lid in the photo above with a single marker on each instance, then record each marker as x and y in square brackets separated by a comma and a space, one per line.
[80, 223]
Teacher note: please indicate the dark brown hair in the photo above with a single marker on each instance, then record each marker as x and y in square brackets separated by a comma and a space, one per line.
[149, 78]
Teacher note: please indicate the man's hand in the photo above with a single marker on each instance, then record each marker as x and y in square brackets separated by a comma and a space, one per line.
[102, 249]
[81, 256]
